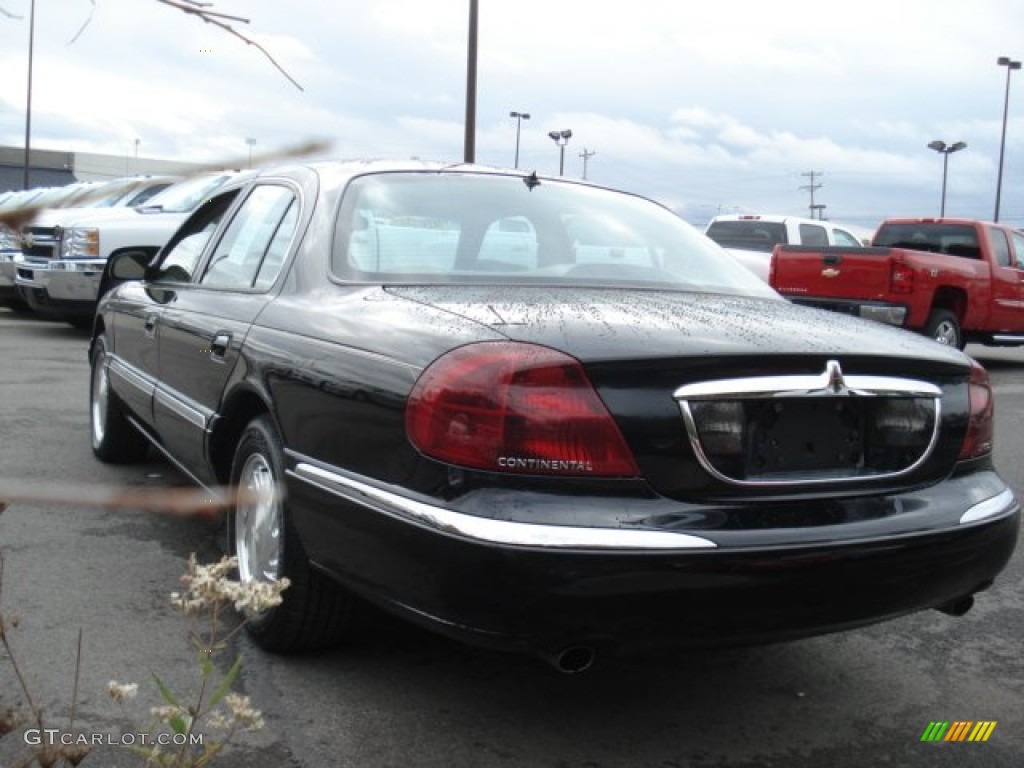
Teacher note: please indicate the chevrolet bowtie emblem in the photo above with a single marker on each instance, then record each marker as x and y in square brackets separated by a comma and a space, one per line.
[830, 272]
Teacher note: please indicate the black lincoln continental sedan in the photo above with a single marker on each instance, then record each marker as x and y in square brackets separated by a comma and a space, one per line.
[540, 415]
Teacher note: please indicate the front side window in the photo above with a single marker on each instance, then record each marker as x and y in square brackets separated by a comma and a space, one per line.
[1000, 247]
[1018, 247]
[182, 253]
[470, 228]
[845, 238]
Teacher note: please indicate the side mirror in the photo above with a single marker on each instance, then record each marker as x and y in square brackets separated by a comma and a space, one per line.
[129, 265]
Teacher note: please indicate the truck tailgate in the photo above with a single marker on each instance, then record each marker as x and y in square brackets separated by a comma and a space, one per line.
[833, 271]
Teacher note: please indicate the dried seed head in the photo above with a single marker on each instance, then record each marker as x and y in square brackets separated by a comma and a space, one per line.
[122, 692]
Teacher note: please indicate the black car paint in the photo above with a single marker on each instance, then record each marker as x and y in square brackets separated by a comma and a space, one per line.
[333, 363]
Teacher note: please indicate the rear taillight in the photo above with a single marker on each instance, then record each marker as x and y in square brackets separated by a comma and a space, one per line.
[901, 279]
[978, 440]
[514, 407]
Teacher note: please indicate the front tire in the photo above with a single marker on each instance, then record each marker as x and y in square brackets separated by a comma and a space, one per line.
[114, 439]
[943, 327]
[315, 612]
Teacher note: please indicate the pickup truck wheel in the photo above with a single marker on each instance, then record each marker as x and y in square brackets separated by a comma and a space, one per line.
[315, 612]
[943, 326]
[114, 439]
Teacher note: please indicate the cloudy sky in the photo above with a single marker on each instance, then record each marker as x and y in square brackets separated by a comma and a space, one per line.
[706, 106]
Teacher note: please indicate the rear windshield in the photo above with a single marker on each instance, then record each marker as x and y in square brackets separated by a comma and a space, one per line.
[471, 228]
[750, 235]
[953, 239]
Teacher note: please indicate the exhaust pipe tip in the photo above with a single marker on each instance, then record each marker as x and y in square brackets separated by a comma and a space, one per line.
[957, 607]
[572, 660]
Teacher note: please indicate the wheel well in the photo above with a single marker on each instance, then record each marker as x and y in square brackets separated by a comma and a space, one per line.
[953, 299]
[241, 409]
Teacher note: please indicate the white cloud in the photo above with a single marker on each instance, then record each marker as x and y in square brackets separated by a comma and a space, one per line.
[697, 104]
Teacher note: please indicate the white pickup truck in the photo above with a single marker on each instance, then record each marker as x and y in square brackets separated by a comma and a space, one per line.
[62, 282]
[751, 238]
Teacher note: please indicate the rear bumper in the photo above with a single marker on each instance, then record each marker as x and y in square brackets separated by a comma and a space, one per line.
[507, 586]
[879, 311]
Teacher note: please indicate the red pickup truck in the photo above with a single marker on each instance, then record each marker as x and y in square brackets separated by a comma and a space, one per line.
[956, 280]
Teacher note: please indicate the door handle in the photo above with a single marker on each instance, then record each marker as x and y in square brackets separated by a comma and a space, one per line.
[150, 326]
[220, 344]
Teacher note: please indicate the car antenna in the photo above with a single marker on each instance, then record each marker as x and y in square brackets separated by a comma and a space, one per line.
[531, 181]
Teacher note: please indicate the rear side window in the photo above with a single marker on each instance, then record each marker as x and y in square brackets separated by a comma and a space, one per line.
[812, 234]
[259, 234]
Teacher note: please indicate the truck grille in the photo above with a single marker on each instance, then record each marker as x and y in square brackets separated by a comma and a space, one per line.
[798, 430]
[39, 243]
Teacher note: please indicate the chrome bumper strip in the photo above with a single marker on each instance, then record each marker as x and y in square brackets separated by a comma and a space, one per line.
[487, 529]
[997, 505]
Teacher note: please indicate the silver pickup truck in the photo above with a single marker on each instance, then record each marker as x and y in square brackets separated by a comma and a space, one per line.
[59, 272]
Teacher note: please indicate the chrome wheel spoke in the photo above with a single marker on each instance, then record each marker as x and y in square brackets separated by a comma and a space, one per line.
[258, 523]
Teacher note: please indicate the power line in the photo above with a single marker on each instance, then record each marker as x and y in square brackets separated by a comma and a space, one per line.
[812, 186]
[586, 157]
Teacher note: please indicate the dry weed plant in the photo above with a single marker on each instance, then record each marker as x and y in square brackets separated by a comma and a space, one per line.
[198, 718]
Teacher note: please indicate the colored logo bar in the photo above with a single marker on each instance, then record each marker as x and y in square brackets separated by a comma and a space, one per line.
[959, 730]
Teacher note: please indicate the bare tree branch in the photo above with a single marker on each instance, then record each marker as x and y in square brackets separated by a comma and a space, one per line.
[202, 11]
[85, 24]
[176, 502]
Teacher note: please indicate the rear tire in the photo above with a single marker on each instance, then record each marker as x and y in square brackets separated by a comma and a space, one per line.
[315, 612]
[114, 439]
[943, 327]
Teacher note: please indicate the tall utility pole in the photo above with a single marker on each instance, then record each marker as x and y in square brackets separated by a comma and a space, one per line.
[28, 101]
[469, 144]
[812, 186]
[586, 157]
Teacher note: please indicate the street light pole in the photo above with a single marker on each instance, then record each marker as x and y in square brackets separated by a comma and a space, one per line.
[251, 142]
[1010, 64]
[519, 116]
[469, 140]
[945, 151]
[561, 138]
[28, 100]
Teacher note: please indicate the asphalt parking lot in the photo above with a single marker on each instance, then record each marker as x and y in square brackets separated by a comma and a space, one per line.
[396, 697]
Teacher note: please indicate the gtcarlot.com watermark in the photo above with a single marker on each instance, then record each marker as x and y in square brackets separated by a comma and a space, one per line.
[53, 737]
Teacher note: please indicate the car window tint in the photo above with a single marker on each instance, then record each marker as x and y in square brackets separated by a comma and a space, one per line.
[1018, 247]
[238, 256]
[509, 243]
[812, 234]
[181, 254]
[748, 234]
[1000, 247]
[278, 249]
[453, 228]
[845, 238]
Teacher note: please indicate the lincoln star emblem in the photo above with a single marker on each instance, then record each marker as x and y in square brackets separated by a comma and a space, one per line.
[836, 382]
[27, 240]
[830, 272]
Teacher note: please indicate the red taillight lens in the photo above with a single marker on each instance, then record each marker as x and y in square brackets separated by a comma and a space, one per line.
[513, 407]
[980, 432]
[901, 280]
